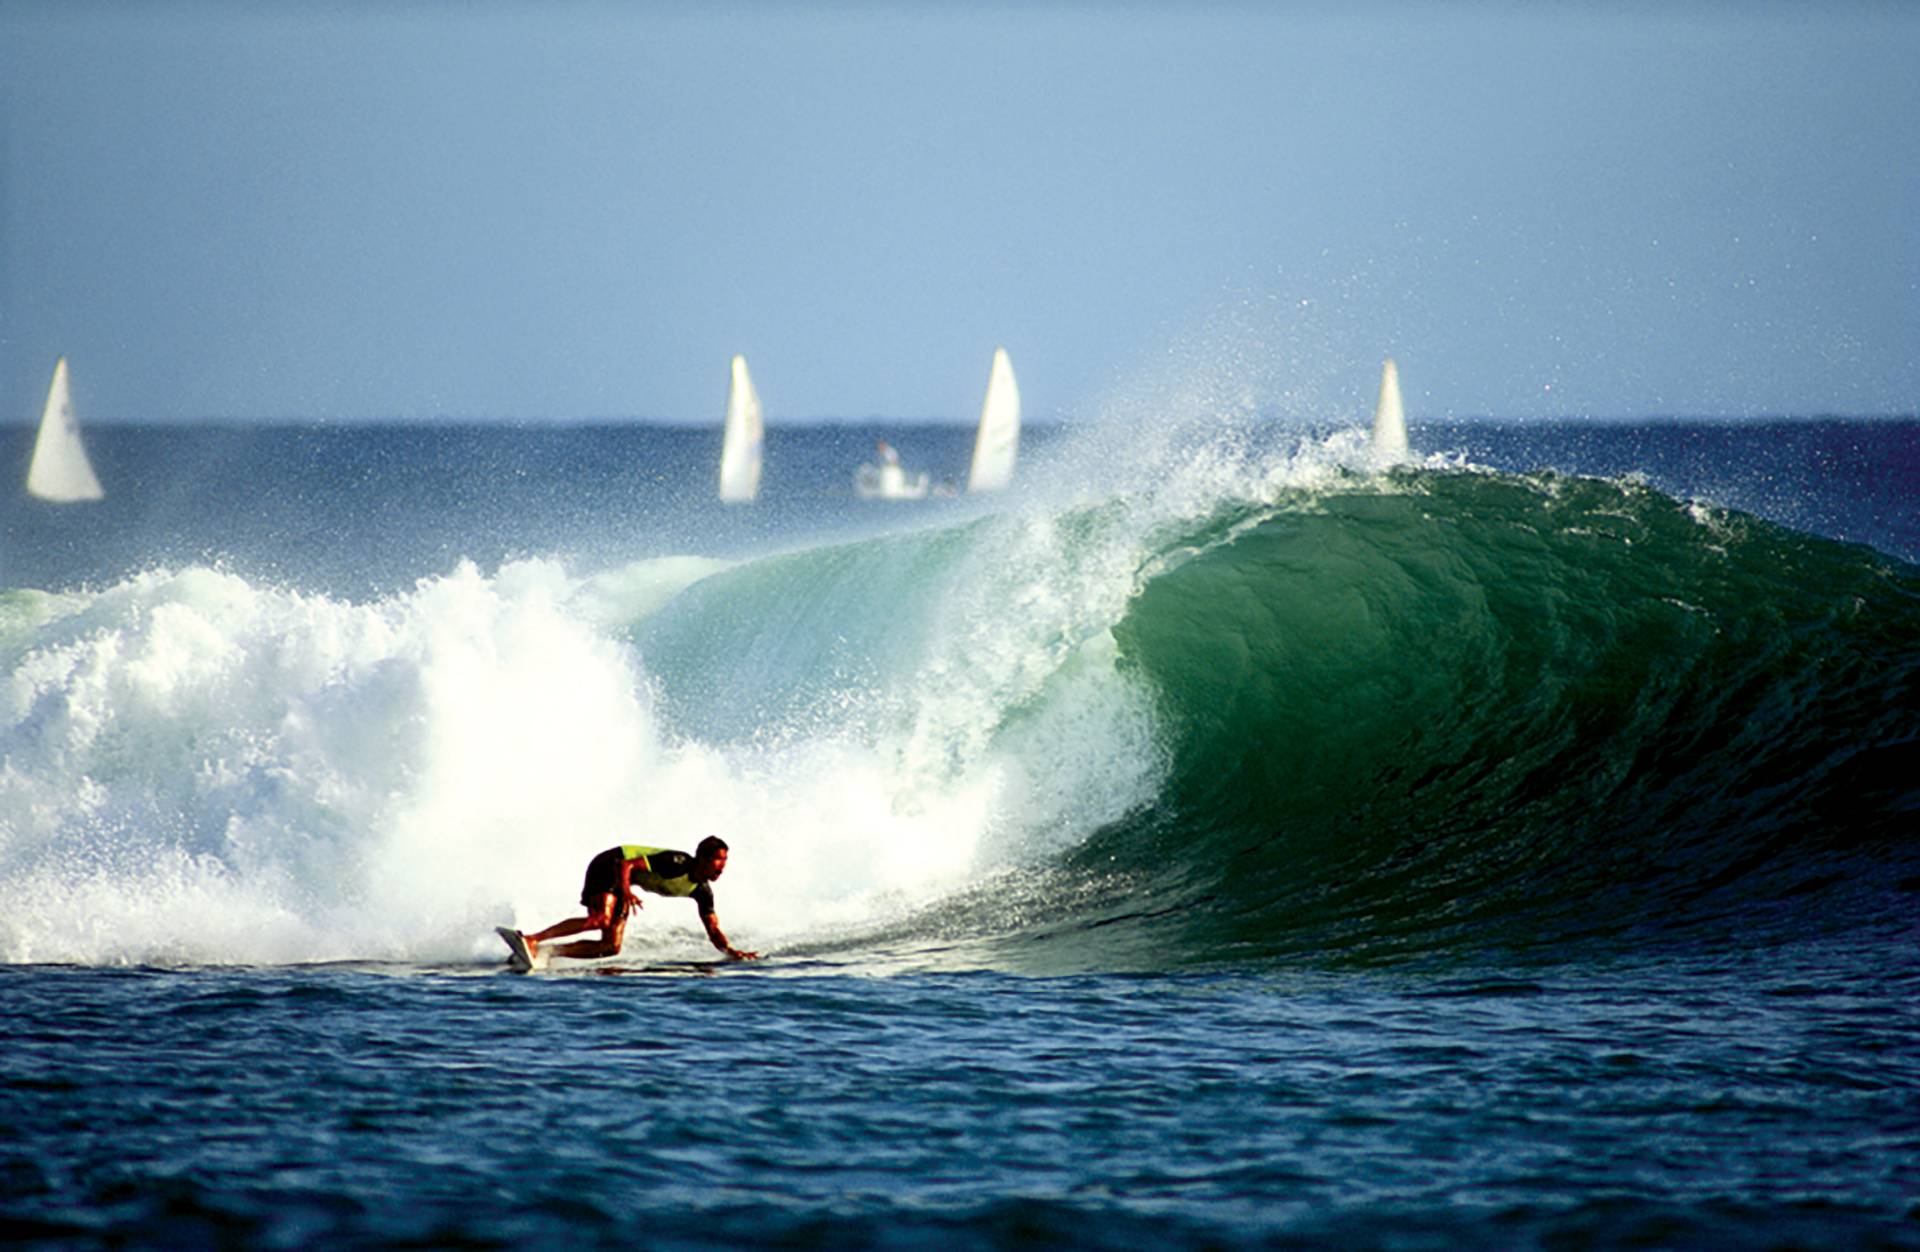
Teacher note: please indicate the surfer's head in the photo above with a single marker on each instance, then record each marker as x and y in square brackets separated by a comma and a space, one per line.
[710, 858]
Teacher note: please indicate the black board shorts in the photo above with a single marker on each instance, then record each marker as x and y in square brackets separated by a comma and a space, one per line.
[603, 879]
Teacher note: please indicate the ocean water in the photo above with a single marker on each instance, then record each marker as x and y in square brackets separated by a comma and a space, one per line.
[1219, 840]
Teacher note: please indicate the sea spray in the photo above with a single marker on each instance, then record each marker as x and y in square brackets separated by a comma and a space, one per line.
[914, 710]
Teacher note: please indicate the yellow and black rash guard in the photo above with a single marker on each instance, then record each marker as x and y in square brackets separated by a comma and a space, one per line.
[669, 873]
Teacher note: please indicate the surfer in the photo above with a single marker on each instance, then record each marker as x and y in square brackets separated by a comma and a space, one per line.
[608, 895]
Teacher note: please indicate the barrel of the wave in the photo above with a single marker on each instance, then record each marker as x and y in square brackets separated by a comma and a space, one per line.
[1472, 708]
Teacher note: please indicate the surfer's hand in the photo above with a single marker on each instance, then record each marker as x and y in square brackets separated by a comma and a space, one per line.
[633, 901]
[735, 954]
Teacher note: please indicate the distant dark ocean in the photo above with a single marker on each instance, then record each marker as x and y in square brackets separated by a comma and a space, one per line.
[1221, 839]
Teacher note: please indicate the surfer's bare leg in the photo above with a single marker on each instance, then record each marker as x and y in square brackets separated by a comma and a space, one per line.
[572, 926]
[601, 919]
[608, 944]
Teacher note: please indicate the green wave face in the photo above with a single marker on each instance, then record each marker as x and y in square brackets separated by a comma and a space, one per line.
[1493, 711]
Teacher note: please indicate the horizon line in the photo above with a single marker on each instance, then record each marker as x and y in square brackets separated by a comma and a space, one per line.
[817, 423]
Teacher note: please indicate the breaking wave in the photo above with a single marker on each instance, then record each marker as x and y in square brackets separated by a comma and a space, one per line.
[1271, 709]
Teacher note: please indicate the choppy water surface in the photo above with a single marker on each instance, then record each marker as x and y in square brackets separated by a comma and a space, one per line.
[1687, 1104]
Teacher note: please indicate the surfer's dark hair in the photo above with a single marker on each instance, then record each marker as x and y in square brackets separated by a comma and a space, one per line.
[710, 845]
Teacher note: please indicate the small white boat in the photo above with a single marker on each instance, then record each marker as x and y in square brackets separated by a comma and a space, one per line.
[883, 478]
[745, 437]
[60, 470]
[1389, 417]
[998, 441]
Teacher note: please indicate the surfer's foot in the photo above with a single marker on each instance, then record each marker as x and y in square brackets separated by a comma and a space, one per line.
[533, 949]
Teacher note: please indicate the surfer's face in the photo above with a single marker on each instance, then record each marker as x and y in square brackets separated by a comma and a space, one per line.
[713, 864]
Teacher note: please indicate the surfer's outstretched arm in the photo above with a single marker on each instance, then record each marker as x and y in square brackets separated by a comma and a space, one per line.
[719, 937]
[626, 880]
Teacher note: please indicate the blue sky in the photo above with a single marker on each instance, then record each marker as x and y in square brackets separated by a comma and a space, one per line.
[563, 211]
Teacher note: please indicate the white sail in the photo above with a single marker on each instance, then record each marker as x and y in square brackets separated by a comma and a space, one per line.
[1389, 418]
[60, 469]
[745, 434]
[998, 441]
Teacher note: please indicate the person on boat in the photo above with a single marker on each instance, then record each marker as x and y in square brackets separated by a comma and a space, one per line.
[608, 895]
[885, 452]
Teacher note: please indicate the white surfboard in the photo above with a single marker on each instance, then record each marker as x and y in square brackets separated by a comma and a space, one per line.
[519, 955]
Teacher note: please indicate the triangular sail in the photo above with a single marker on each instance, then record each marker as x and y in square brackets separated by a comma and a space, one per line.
[745, 434]
[60, 470]
[1389, 418]
[998, 441]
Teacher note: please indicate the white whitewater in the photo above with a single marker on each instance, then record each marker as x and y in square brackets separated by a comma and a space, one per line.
[998, 441]
[203, 770]
[60, 470]
[1389, 417]
[745, 437]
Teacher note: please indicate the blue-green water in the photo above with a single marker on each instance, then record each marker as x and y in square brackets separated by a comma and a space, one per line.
[1678, 1105]
[1233, 843]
